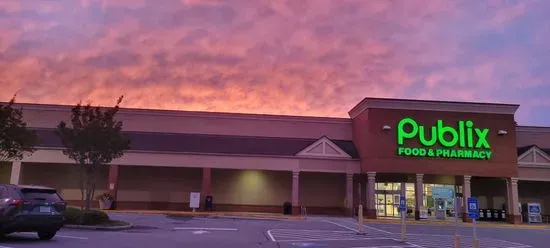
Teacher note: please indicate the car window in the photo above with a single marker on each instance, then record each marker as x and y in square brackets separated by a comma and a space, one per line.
[40, 194]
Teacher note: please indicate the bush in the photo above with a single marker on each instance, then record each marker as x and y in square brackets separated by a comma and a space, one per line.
[76, 216]
[73, 216]
[94, 217]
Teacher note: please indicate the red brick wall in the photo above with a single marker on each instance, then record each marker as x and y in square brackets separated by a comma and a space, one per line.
[378, 148]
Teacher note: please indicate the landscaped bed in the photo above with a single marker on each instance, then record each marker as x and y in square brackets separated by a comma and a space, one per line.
[76, 216]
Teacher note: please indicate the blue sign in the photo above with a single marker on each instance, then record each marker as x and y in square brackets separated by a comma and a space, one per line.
[473, 210]
[443, 193]
[402, 204]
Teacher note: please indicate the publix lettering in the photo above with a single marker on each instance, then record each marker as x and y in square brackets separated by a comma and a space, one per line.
[465, 141]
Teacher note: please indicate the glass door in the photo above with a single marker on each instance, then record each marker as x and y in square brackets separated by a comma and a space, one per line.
[380, 204]
[385, 204]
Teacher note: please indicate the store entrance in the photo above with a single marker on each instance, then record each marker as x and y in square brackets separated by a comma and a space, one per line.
[387, 199]
[386, 203]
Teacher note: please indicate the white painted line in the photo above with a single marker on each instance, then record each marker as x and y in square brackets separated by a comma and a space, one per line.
[369, 227]
[5, 247]
[317, 231]
[340, 225]
[270, 235]
[413, 245]
[206, 228]
[344, 239]
[385, 246]
[71, 237]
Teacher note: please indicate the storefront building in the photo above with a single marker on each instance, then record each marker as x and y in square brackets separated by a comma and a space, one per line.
[430, 151]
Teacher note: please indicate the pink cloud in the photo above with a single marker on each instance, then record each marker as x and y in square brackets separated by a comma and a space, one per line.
[316, 57]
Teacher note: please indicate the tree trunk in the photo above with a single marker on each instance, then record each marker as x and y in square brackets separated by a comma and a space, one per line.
[81, 169]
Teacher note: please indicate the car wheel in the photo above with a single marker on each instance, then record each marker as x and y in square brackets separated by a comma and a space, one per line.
[46, 235]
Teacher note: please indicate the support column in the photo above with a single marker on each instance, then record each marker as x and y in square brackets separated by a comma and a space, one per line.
[419, 195]
[112, 183]
[295, 192]
[371, 205]
[514, 215]
[15, 172]
[349, 194]
[466, 193]
[206, 185]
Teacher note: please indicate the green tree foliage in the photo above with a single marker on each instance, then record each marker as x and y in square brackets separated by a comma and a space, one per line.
[93, 140]
[15, 138]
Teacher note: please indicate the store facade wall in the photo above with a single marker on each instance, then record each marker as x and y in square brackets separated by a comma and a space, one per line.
[329, 165]
[157, 188]
[435, 138]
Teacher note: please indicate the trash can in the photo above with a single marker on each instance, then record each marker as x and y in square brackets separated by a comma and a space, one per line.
[208, 203]
[488, 214]
[504, 216]
[494, 214]
[481, 214]
[287, 208]
[499, 215]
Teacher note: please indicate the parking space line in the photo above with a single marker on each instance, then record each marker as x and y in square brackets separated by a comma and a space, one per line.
[309, 230]
[385, 246]
[206, 228]
[342, 239]
[369, 227]
[71, 237]
[270, 235]
[340, 225]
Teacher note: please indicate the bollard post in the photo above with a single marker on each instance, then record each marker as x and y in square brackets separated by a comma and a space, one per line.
[403, 227]
[457, 241]
[360, 220]
[457, 236]
[475, 241]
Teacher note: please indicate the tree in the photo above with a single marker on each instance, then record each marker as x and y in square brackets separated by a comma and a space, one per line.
[93, 140]
[15, 138]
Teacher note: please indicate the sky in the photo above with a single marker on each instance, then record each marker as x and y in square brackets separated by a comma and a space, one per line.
[290, 57]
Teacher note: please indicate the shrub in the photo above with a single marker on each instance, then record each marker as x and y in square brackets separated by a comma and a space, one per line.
[76, 216]
[73, 216]
[94, 217]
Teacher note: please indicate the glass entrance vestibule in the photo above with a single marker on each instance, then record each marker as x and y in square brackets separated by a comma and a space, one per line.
[387, 199]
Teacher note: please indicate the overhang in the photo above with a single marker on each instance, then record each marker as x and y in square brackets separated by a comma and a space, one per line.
[447, 106]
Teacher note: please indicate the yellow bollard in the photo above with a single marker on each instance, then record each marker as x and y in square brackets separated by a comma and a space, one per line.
[457, 241]
[360, 219]
[403, 227]
[476, 243]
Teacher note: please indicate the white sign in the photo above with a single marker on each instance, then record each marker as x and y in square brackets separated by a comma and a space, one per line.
[194, 200]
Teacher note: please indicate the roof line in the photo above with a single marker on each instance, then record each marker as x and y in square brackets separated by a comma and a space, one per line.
[208, 135]
[172, 112]
[431, 105]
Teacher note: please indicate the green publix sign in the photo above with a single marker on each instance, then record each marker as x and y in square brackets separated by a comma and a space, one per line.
[463, 142]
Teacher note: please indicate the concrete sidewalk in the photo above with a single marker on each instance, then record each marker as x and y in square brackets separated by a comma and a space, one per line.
[212, 214]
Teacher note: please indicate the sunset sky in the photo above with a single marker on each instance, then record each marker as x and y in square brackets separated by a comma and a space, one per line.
[296, 57]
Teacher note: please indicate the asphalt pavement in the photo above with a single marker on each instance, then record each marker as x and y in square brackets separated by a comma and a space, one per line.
[169, 231]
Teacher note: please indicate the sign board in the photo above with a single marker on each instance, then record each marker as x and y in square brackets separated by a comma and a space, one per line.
[473, 210]
[442, 193]
[402, 204]
[461, 141]
[194, 200]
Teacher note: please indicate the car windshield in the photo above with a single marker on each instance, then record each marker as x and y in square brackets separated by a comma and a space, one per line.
[40, 194]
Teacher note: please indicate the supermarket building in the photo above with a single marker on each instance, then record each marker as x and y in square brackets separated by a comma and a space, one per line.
[255, 163]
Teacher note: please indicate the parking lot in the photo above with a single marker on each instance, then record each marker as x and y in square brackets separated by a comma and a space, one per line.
[166, 231]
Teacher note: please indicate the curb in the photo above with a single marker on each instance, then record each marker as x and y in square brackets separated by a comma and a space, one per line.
[100, 228]
[209, 214]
